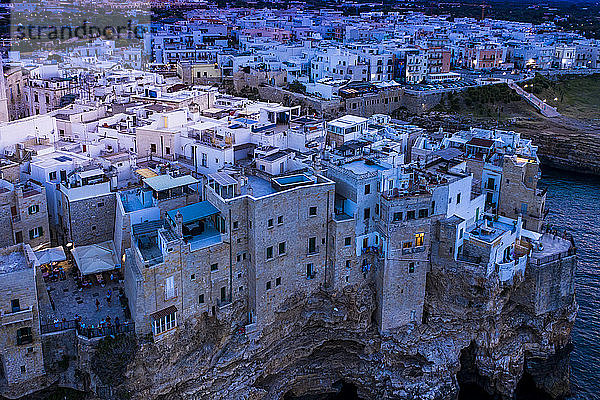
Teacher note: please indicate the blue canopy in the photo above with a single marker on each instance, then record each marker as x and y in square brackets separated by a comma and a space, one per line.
[194, 212]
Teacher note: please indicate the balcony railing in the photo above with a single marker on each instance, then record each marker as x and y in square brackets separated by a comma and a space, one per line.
[17, 317]
[412, 250]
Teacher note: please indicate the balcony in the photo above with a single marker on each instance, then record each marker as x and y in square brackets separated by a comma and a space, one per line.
[413, 250]
[17, 317]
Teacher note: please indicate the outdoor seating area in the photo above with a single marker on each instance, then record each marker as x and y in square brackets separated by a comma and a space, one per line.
[93, 303]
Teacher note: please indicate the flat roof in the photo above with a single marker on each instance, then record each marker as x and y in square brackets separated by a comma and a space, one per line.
[14, 261]
[146, 173]
[347, 120]
[194, 212]
[166, 182]
[360, 167]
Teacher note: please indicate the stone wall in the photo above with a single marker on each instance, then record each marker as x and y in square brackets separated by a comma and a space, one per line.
[91, 220]
[325, 108]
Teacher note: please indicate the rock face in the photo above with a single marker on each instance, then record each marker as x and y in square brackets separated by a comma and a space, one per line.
[474, 331]
[565, 143]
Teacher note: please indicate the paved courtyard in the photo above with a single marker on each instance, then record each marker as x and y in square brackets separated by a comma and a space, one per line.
[70, 301]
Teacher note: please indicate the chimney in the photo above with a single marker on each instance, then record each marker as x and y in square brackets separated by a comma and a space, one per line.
[179, 224]
[238, 186]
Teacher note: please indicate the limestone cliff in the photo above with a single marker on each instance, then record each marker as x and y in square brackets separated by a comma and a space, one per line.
[473, 332]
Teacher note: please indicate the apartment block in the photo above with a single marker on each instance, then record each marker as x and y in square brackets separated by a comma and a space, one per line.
[21, 351]
[24, 214]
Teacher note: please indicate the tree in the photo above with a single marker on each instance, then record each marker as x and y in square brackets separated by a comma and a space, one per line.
[297, 87]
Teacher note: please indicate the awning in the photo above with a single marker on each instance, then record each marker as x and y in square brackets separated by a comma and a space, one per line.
[53, 254]
[163, 313]
[95, 258]
[194, 212]
[166, 182]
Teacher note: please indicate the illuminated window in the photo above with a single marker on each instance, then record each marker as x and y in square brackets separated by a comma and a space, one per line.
[419, 239]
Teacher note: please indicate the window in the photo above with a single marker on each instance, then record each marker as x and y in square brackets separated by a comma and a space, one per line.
[268, 285]
[278, 281]
[223, 294]
[281, 248]
[348, 265]
[34, 209]
[397, 216]
[14, 304]
[23, 369]
[165, 323]
[365, 243]
[36, 232]
[193, 276]
[406, 245]
[419, 239]
[170, 288]
[214, 267]
[235, 224]
[93, 227]
[270, 223]
[24, 336]
[523, 208]
[310, 271]
[411, 267]
[367, 189]
[269, 252]
[312, 211]
[423, 213]
[367, 213]
[312, 245]
[152, 148]
[201, 299]
[410, 215]
[101, 204]
[238, 258]
[280, 220]
[458, 198]
[347, 241]
[376, 209]
[167, 150]
[52, 176]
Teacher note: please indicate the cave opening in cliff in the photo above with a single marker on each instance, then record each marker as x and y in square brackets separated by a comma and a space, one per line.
[526, 389]
[470, 382]
[343, 391]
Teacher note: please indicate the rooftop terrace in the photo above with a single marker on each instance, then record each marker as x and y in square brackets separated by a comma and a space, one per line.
[12, 262]
[492, 231]
[360, 167]
[136, 199]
